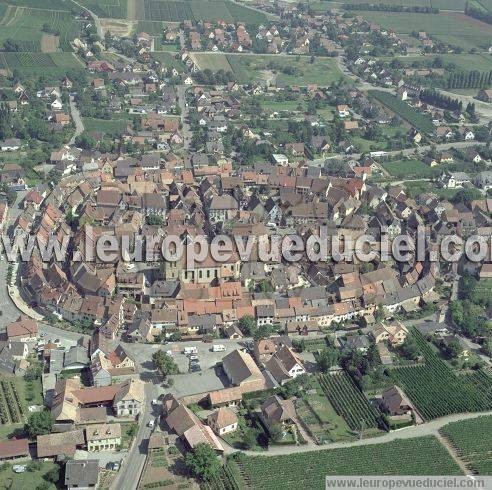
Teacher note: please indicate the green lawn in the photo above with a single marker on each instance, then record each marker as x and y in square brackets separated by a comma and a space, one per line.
[29, 480]
[324, 423]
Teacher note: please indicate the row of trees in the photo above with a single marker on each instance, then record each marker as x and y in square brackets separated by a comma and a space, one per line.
[470, 79]
[432, 97]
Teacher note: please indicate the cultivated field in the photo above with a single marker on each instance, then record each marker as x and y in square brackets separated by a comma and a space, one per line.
[436, 390]
[349, 402]
[403, 110]
[116, 9]
[177, 11]
[419, 456]
[54, 64]
[23, 26]
[212, 62]
[473, 441]
[457, 28]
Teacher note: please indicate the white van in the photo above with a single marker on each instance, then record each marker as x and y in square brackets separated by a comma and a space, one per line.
[190, 350]
[218, 348]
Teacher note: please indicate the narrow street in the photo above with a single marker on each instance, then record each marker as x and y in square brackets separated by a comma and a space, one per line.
[185, 130]
[130, 472]
[79, 125]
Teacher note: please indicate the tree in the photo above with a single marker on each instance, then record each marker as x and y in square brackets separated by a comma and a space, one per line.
[247, 325]
[39, 423]
[52, 475]
[154, 219]
[466, 195]
[164, 363]
[34, 371]
[249, 438]
[452, 348]
[263, 331]
[410, 349]
[275, 431]
[327, 358]
[202, 462]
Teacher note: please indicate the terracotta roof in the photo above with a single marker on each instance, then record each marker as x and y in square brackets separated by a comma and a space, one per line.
[223, 417]
[13, 448]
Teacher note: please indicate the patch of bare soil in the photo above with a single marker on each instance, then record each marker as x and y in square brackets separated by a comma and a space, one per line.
[49, 43]
[119, 28]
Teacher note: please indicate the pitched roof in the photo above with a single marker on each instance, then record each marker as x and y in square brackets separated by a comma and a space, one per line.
[240, 366]
[13, 448]
[83, 473]
[222, 417]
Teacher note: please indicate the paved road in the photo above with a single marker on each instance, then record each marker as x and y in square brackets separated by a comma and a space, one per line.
[79, 125]
[429, 428]
[129, 474]
[185, 130]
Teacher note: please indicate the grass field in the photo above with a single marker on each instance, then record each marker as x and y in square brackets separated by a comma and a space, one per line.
[458, 29]
[409, 168]
[473, 442]
[53, 64]
[168, 60]
[480, 61]
[110, 127]
[177, 11]
[150, 27]
[24, 27]
[419, 456]
[247, 69]
[115, 9]
[213, 62]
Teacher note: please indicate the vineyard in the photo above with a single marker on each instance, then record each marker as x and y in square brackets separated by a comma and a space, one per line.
[115, 9]
[437, 391]
[228, 479]
[49, 64]
[349, 402]
[402, 109]
[472, 440]
[177, 11]
[11, 406]
[419, 456]
[23, 26]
